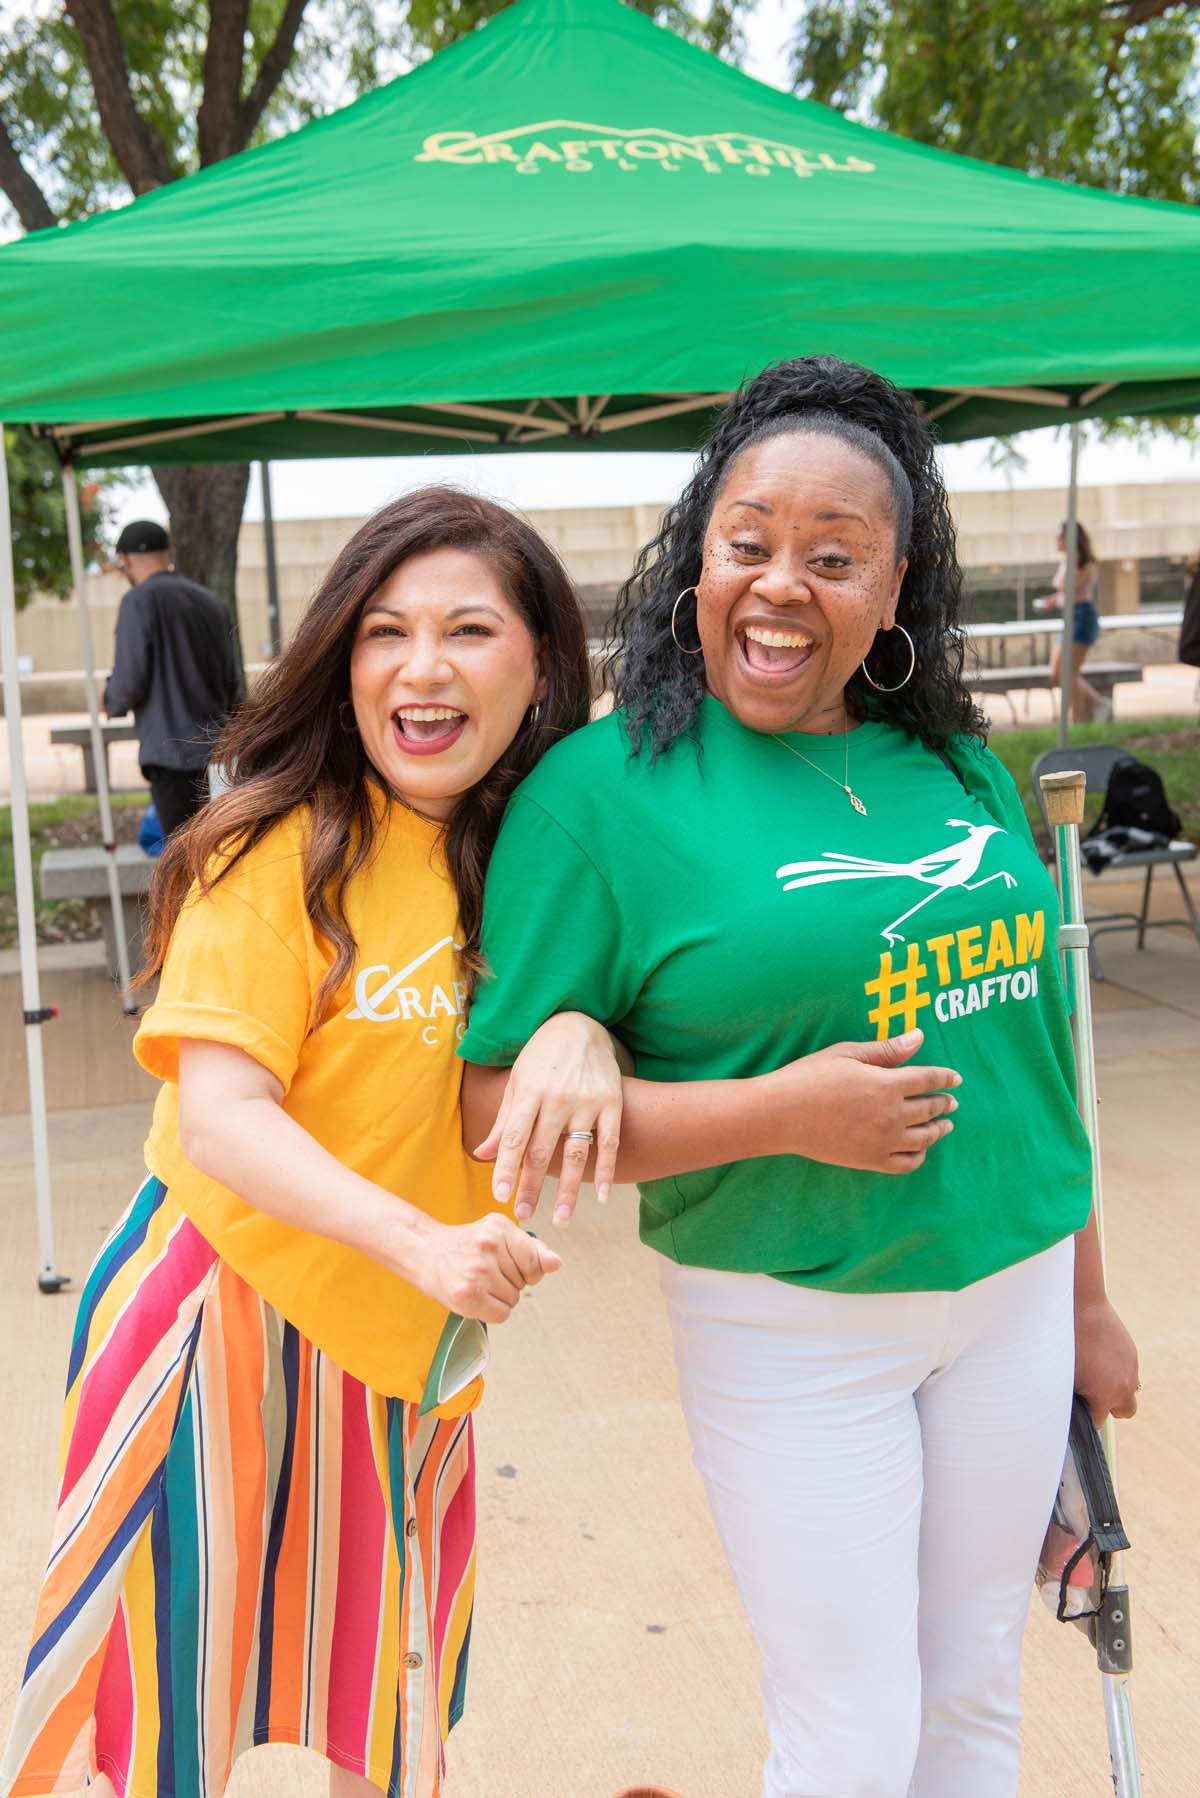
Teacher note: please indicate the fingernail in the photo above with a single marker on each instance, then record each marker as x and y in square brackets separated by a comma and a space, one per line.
[602, 1193]
[502, 1189]
[947, 1127]
[953, 1103]
[562, 1215]
[956, 1080]
[523, 1210]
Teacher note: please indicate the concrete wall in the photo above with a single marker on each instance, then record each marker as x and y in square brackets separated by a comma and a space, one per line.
[999, 533]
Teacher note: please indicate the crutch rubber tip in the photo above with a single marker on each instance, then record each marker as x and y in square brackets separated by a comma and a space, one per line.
[53, 1282]
[1064, 795]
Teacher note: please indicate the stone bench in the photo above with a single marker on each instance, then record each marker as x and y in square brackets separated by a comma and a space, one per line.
[79, 736]
[81, 874]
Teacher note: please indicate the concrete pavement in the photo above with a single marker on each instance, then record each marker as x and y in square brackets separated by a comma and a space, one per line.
[609, 1644]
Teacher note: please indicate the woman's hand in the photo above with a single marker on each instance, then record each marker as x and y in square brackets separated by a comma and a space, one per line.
[1106, 1361]
[481, 1270]
[857, 1105]
[565, 1080]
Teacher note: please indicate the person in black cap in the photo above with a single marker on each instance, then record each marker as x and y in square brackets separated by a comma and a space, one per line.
[175, 668]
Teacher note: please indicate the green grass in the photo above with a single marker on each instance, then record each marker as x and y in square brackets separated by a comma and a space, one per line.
[55, 823]
[1172, 745]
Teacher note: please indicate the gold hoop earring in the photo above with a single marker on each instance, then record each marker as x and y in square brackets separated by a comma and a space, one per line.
[699, 649]
[912, 662]
[535, 714]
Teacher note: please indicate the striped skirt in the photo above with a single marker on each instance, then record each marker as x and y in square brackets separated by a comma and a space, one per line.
[250, 1545]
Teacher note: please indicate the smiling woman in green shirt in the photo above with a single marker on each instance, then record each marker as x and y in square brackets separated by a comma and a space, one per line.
[789, 845]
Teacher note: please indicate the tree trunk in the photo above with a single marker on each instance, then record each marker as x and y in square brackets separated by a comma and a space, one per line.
[205, 501]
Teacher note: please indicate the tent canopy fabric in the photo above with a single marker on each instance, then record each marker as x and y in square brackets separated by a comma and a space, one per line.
[574, 230]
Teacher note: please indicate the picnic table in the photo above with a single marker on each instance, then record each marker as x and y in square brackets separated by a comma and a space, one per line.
[989, 671]
[1049, 624]
[112, 730]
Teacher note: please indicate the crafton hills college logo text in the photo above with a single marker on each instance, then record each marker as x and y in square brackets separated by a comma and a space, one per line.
[579, 149]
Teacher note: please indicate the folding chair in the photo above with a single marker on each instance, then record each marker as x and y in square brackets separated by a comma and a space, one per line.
[1097, 761]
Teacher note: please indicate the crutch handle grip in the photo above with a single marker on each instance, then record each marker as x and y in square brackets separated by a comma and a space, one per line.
[1064, 795]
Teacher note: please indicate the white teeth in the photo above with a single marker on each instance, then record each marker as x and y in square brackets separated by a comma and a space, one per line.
[776, 639]
[426, 714]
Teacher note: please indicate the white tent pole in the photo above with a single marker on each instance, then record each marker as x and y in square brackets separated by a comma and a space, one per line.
[1065, 665]
[99, 754]
[274, 629]
[35, 1013]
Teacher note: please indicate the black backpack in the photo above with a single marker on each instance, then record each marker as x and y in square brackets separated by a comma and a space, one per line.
[1136, 800]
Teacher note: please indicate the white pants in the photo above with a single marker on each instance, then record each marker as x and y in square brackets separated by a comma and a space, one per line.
[881, 1468]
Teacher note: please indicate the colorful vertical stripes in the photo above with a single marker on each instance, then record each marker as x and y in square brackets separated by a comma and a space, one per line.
[250, 1545]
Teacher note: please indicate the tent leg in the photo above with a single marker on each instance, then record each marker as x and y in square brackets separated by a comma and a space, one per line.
[274, 627]
[1065, 667]
[35, 1014]
[99, 758]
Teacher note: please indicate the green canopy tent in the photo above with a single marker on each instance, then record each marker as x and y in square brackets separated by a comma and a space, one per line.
[569, 230]
[573, 228]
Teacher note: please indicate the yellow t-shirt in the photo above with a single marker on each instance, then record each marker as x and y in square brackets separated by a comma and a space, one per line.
[377, 1084]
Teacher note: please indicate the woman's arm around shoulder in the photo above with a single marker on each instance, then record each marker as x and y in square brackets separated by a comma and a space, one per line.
[858, 1105]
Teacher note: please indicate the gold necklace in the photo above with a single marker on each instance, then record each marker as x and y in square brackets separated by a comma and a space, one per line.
[844, 783]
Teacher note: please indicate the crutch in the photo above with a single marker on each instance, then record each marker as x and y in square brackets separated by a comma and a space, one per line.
[1109, 1629]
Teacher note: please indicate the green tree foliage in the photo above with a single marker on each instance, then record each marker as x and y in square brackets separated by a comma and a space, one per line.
[41, 561]
[1080, 90]
[1076, 89]
[430, 25]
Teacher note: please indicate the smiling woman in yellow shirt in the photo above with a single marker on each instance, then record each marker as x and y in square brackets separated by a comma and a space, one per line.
[262, 1535]
[374, 1085]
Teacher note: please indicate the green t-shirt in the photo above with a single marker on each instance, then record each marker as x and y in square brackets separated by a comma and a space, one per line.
[726, 911]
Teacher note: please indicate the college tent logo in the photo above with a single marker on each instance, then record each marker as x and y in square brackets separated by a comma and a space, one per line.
[579, 149]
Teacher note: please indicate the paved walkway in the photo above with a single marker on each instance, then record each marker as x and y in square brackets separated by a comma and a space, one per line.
[609, 1644]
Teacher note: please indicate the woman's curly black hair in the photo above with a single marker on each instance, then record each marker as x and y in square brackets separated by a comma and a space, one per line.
[660, 688]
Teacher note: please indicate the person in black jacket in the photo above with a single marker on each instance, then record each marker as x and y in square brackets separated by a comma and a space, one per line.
[1189, 636]
[175, 667]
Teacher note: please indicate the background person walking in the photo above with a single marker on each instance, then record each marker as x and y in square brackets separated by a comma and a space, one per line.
[175, 667]
[1087, 702]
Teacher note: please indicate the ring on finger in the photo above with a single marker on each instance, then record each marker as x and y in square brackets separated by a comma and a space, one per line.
[581, 1136]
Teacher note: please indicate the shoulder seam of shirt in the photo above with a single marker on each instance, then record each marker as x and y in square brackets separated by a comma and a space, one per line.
[265, 922]
[528, 799]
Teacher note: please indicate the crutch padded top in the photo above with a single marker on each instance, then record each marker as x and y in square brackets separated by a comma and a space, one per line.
[1064, 794]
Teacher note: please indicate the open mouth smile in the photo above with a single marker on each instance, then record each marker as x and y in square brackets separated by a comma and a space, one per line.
[427, 729]
[769, 655]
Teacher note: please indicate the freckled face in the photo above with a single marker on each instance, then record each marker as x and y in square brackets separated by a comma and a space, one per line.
[799, 573]
[442, 673]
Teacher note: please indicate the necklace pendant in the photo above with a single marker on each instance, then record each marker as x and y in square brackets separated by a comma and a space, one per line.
[856, 802]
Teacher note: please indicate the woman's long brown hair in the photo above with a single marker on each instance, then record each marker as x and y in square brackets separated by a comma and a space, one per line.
[1085, 555]
[288, 744]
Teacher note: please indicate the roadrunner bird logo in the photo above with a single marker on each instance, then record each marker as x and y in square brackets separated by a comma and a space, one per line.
[941, 869]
